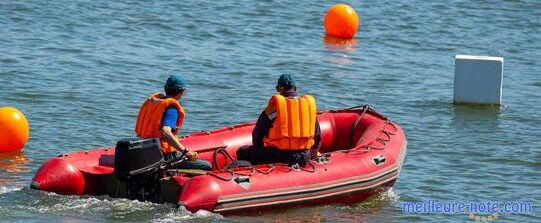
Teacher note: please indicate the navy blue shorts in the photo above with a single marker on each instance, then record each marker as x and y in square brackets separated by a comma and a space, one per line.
[266, 155]
[197, 164]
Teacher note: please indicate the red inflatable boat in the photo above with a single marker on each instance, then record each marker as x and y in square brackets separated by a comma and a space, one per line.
[362, 152]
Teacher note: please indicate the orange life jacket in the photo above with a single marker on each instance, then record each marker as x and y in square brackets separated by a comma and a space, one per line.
[149, 120]
[294, 126]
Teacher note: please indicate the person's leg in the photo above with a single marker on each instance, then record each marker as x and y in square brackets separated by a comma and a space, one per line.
[291, 157]
[197, 164]
[254, 155]
[174, 157]
[243, 153]
[170, 156]
[302, 157]
[275, 155]
[258, 155]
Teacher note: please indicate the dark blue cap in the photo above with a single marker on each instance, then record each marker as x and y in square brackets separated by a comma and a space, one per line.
[286, 81]
[175, 81]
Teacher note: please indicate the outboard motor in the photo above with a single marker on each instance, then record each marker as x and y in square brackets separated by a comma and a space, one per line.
[137, 163]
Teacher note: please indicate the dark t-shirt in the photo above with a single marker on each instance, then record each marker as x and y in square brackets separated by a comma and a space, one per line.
[264, 123]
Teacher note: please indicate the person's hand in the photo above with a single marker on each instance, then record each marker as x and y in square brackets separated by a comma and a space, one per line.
[318, 154]
[192, 156]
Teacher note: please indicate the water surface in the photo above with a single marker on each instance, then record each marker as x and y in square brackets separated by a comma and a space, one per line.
[79, 71]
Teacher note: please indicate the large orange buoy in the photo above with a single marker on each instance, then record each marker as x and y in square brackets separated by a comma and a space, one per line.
[341, 21]
[14, 130]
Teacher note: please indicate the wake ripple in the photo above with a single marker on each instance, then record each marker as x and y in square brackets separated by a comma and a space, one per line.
[4, 190]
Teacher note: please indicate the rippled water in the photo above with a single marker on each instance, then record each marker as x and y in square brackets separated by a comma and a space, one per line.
[80, 69]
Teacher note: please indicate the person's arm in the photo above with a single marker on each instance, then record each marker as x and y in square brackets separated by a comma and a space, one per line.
[261, 129]
[168, 135]
[169, 121]
[317, 141]
[170, 138]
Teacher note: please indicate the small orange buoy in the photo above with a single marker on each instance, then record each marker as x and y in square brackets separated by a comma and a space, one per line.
[14, 130]
[341, 21]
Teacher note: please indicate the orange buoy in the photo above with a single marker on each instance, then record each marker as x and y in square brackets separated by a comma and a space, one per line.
[341, 21]
[14, 130]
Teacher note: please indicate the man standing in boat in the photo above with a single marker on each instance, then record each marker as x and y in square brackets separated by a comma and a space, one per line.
[162, 116]
[287, 131]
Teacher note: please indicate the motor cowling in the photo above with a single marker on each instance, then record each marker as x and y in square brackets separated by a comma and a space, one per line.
[137, 156]
[137, 163]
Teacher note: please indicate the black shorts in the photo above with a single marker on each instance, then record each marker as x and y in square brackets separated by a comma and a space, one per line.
[264, 155]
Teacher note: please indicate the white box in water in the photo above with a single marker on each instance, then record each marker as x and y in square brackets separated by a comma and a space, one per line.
[478, 79]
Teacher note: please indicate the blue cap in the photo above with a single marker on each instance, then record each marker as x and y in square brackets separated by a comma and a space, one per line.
[175, 81]
[286, 81]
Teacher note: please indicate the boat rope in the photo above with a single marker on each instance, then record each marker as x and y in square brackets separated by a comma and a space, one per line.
[384, 137]
[309, 170]
[382, 140]
[271, 168]
[238, 171]
[321, 161]
[365, 108]
[223, 178]
[234, 172]
[221, 150]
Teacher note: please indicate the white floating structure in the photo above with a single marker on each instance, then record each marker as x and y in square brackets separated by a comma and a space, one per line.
[478, 79]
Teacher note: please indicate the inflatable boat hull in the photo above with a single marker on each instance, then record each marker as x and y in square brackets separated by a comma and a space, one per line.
[363, 154]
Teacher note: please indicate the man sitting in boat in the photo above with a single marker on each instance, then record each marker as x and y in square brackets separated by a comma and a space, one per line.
[287, 130]
[170, 114]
